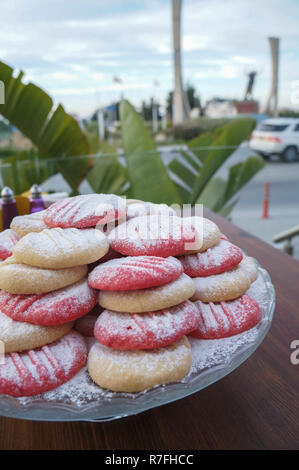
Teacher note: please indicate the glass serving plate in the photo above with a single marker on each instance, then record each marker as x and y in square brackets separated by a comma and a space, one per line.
[81, 400]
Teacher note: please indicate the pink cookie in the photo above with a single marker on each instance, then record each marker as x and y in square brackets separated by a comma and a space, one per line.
[148, 330]
[223, 319]
[135, 272]
[153, 235]
[158, 235]
[53, 308]
[85, 325]
[111, 254]
[8, 239]
[85, 211]
[220, 258]
[43, 369]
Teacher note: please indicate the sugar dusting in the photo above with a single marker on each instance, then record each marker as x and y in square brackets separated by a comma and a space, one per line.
[81, 390]
[85, 210]
[220, 258]
[24, 224]
[8, 239]
[133, 271]
[58, 241]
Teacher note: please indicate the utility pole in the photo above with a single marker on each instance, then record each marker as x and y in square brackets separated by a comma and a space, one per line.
[181, 108]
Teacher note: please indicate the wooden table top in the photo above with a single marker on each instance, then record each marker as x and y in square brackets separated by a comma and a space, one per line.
[255, 407]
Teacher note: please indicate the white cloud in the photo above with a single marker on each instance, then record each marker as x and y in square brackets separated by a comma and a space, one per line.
[228, 71]
[56, 42]
[242, 60]
[91, 90]
[192, 43]
[63, 76]
[97, 76]
[78, 67]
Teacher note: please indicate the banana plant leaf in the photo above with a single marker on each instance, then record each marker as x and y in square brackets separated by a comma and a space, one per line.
[204, 140]
[107, 175]
[218, 193]
[52, 131]
[213, 194]
[148, 176]
[186, 174]
[225, 211]
[198, 183]
[23, 169]
[99, 146]
[240, 174]
[197, 171]
[232, 134]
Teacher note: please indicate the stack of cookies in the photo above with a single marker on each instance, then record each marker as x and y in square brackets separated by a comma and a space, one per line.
[44, 289]
[222, 275]
[8, 239]
[141, 332]
[155, 277]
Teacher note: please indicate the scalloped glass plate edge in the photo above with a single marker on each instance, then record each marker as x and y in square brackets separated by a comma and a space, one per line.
[120, 406]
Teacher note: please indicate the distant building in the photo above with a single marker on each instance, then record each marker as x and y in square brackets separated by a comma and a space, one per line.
[195, 113]
[247, 107]
[220, 107]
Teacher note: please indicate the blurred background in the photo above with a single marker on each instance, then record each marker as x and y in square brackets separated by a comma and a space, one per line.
[169, 101]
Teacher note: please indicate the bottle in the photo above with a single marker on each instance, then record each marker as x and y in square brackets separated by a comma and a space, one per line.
[36, 200]
[9, 207]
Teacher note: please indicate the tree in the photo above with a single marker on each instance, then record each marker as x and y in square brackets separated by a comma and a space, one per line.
[193, 98]
[147, 109]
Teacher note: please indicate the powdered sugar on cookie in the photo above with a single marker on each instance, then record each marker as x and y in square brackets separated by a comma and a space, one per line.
[85, 211]
[220, 258]
[135, 272]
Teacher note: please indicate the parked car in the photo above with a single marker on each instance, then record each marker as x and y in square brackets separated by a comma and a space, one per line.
[279, 136]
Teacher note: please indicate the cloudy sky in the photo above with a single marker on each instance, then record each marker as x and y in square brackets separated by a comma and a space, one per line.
[74, 48]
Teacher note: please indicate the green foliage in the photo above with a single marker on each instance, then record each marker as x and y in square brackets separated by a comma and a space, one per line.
[231, 135]
[209, 152]
[52, 131]
[97, 145]
[147, 109]
[107, 175]
[193, 98]
[199, 144]
[23, 169]
[194, 128]
[57, 137]
[196, 168]
[186, 131]
[289, 113]
[148, 177]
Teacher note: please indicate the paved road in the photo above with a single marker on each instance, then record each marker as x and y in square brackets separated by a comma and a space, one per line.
[283, 204]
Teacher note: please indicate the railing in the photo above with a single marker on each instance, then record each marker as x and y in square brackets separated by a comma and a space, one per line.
[287, 237]
[37, 169]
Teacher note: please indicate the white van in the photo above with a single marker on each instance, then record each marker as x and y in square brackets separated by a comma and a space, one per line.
[277, 136]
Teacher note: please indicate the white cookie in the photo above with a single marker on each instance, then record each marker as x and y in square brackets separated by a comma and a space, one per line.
[134, 371]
